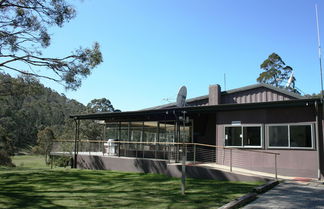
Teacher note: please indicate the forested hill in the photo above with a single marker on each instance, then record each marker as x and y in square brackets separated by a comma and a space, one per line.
[26, 107]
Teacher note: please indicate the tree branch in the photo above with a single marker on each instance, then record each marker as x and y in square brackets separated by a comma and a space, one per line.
[31, 74]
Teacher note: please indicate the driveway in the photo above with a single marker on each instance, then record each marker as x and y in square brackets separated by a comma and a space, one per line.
[291, 195]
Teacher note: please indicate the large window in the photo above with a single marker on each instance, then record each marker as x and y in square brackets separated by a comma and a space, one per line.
[290, 136]
[243, 136]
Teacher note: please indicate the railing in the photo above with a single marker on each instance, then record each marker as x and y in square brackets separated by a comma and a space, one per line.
[229, 158]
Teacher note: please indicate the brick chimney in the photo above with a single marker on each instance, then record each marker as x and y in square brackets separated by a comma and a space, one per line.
[214, 97]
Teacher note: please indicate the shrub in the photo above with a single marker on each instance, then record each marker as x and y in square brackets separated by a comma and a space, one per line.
[5, 159]
[62, 161]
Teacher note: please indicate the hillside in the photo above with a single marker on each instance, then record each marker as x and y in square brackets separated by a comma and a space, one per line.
[28, 107]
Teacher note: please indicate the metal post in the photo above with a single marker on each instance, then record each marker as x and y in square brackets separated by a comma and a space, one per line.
[194, 153]
[51, 156]
[136, 149]
[183, 174]
[276, 172]
[231, 166]
[164, 148]
[318, 134]
[75, 143]
[183, 170]
[104, 139]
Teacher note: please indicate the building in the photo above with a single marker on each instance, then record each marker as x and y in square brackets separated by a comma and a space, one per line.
[257, 127]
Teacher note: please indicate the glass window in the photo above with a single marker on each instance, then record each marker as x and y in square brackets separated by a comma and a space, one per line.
[300, 136]
[278, 136]
[252, 136]
[136, 131]
[233, 136]
[290, 136]
[243, 136]
[150, 132]
[112, 131]
[167, 131]
[124, 131]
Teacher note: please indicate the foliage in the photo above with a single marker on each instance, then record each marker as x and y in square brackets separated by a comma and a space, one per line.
[62, 161]
[61, 188]
[45, 140]
[28, 108]
[314, 96]
[92, 130]
[5, 159]
[100, 105]
[24, 33]
[276, 72]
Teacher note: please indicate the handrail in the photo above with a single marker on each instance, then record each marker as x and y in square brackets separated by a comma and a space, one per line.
[172, 143]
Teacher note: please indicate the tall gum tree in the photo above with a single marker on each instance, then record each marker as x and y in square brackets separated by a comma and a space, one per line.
[277, 73]
[24, 33]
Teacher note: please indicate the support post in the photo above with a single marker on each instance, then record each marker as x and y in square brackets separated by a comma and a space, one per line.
[51, 156]
[231, 164]
[319, 133]
[194, 153]
[276, 170]
[183, 173]
[76, 139]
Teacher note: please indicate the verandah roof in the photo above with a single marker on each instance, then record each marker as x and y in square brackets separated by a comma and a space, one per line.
[169, 113]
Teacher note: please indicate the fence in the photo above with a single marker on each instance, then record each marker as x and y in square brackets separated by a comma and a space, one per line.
[229, 158]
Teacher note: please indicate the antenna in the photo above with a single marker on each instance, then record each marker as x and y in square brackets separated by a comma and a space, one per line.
[225, 81]
[319, 52]
[182, 95]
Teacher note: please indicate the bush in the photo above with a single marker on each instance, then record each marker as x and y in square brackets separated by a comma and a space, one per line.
[37, 150]
[5, 159]
[62, 161]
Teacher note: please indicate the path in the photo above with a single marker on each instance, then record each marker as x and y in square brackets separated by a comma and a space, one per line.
[291, 195]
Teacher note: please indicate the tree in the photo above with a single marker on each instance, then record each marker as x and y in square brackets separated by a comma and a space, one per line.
[276, 72]
[24, 33]
[100, 105]
[45, 142]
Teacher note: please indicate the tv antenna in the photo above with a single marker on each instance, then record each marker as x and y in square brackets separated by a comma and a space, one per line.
[319, 52]
[181, 98]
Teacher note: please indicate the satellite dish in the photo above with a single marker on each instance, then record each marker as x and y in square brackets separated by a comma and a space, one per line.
[182, 95]
[290, 80]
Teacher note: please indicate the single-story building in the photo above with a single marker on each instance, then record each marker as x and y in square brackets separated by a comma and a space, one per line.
[261, 126]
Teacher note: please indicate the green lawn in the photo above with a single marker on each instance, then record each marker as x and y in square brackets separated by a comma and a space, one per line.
[33, 185]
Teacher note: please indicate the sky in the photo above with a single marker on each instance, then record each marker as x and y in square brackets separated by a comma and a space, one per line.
[153, 47]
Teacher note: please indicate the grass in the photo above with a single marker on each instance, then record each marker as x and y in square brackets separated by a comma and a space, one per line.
[33, 185]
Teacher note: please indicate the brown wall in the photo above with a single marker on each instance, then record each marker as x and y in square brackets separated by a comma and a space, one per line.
[158, 166]
[290, 162]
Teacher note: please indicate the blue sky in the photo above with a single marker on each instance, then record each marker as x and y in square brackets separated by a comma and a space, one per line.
[153, 47]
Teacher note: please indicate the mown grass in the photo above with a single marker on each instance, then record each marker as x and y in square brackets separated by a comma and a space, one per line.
[33, 185]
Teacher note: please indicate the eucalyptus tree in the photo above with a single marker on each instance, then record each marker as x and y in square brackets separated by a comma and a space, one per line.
[276, 72]
[24, 34]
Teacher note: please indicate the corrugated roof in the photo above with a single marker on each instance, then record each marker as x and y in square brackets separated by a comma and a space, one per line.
[245, 88]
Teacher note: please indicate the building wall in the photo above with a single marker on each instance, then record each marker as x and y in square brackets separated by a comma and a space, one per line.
[291, 162]
[160, 167]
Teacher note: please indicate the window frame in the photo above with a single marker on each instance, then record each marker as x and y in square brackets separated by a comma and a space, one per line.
[312, 125]
[242, 140]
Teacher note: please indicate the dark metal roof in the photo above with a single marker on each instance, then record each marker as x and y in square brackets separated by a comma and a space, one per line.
[198, 109]
[245, 88]
[173, 104]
